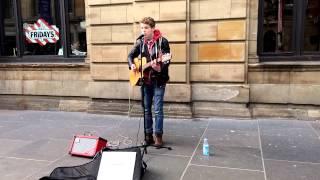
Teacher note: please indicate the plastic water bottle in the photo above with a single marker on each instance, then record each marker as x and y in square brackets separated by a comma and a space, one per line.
[206, 148]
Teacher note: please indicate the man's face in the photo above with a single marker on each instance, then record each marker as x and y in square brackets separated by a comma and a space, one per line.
[146, 30]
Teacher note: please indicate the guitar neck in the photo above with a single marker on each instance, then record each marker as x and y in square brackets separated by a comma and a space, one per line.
[148, 64]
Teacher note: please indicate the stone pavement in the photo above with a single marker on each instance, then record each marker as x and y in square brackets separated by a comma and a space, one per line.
[33, 143]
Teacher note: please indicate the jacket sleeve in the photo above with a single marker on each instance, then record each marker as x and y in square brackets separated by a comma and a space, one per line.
[135, 51]
[165, 48]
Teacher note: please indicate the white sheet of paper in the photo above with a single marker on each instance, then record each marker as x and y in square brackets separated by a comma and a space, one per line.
[117, 165]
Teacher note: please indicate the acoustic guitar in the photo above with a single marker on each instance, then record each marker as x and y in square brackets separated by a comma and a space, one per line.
[141, 65]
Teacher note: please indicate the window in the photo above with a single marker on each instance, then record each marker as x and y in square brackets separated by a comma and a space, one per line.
[36, 28]
[45, 15]
[77, 27]
[8, 29]
[312, 27]
[289, 28]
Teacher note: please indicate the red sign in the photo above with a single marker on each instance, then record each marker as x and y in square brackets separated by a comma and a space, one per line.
[41, 32]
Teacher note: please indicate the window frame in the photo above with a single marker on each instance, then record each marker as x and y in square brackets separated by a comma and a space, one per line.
[64, 37]
[2, 30]
[297, 53]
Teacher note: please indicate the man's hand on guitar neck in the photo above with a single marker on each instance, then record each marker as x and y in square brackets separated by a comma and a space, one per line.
[155, 63]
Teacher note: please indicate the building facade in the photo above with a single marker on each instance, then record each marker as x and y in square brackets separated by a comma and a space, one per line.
[243, 58]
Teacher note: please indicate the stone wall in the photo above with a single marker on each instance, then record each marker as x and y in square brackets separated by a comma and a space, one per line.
[208, 42]
[45, 86]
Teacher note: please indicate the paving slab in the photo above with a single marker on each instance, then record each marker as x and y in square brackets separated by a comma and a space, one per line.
[42, 149]
[292, 170]
[15, 168]
[232, 138]
[292, 141]
[218, 173]
[232, 157]
[233, 124]
[316, 127]
[282, 123]
[64, 161]
[165, 167]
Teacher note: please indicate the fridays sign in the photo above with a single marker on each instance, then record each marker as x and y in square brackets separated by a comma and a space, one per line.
[41, 32]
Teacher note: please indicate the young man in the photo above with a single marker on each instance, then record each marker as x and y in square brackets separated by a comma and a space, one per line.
[151, 45]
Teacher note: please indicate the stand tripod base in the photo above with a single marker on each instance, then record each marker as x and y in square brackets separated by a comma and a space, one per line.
[163, 147]
[145, 145]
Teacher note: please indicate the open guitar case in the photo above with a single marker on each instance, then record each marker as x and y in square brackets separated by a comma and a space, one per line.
[89, 171]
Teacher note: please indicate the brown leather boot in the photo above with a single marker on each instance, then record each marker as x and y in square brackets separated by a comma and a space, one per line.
[149, 139]
[158, 138]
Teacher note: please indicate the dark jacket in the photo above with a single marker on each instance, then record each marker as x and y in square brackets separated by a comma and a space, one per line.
[141, 48]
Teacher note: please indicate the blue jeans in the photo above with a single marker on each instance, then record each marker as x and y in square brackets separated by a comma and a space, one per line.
[155, 93]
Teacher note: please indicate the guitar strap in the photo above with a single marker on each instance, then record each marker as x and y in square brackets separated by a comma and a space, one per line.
[160, 43]
[141, 48]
